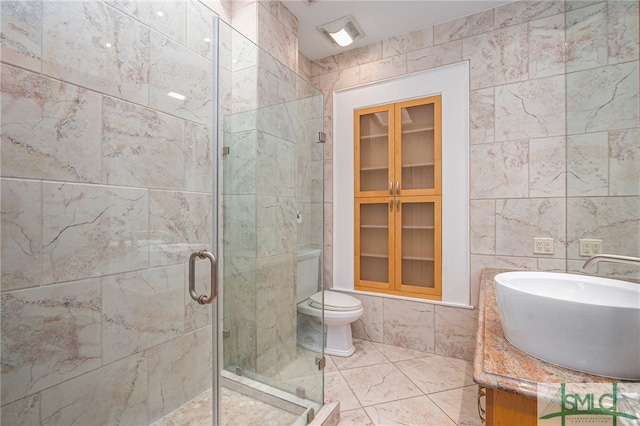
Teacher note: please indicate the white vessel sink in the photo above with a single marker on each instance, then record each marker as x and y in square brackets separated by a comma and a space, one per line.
[584, 323]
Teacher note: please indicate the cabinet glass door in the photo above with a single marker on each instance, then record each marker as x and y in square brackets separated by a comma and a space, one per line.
[418, 237]
[373, 242]
[417, 156]
[373, 151]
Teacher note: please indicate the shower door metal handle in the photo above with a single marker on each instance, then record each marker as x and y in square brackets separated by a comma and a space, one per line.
[203, 299]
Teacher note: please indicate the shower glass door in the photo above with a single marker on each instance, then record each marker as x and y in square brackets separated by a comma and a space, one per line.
[272, 207]
[108, 166]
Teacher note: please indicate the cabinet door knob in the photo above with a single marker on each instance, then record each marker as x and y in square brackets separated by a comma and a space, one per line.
[390, 188]
[398, 204]
[397, 187]
[390, 204]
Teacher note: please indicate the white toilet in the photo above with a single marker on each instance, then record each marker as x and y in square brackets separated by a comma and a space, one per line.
[340, 309]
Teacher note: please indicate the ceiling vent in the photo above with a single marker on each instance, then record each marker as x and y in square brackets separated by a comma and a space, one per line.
[341, 32]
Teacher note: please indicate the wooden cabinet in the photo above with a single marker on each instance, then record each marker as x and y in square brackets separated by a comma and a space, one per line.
[508, 409]
[398, 245]
[398, 232]
[398, 149]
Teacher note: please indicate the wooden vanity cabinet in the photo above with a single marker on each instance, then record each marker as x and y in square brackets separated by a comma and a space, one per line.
[510, 409]
[398, 225]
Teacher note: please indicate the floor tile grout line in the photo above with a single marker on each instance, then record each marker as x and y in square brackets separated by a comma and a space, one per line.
[407, 398]
[455, 366]
[464, 371]
[444, 412]
[352, 391]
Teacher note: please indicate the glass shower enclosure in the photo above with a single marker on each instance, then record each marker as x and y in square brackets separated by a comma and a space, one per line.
[114, 119]
[272, 192]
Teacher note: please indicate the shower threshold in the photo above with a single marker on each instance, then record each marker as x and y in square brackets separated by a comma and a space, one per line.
[243, 401]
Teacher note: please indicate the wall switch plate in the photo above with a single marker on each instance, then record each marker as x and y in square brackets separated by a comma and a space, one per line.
[589, 247]
[542, 245]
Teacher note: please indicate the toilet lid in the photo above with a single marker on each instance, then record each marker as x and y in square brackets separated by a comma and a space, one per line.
[334, 301]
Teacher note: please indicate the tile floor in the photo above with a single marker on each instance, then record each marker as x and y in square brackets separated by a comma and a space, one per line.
[378, 385]
[387, 385]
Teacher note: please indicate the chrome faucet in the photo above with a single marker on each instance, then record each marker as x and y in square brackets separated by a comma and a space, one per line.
[613, 258]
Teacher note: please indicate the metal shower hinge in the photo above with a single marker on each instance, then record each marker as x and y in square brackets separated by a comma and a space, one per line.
[321, 362]
[311, 414]
[322, 137]
[225, 150]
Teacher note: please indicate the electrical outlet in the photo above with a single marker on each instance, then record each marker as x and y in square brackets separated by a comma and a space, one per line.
[542, 245]
[589, 247]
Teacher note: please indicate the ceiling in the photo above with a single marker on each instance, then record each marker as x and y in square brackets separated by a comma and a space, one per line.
[379, 19]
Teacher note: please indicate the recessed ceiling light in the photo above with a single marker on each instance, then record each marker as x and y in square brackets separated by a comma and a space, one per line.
[342, 37]
[207, 40]
[341, 32]
[160, 13]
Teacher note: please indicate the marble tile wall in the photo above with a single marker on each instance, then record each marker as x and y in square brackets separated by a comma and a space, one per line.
[443, 330]
[106, 190]
[270, 25]
[537, 168]
[603, 184]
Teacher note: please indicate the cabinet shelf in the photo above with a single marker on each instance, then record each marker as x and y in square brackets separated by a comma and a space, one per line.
[418, 165]
[380, 135]
[425, 227]
[380, 256]
[421, 129]
[374, 168]
[405, 132]
[421, 259]
[386, 167]
[374, 226]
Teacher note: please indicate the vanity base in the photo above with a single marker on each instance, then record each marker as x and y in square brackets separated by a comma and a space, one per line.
[509, 409]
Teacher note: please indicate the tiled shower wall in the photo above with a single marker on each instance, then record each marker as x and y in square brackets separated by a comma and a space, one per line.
[270, 25]
[522, 185]
[106, 190]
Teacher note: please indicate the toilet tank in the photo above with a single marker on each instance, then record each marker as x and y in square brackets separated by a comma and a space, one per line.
[307, 273]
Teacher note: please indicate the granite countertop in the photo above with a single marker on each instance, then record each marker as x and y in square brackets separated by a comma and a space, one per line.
[497, 364]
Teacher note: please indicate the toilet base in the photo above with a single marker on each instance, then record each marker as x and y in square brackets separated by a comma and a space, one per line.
[337, 328]
[344, 354]
[339, 340]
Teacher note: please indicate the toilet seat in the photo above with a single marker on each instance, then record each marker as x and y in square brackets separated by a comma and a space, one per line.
[334, 301]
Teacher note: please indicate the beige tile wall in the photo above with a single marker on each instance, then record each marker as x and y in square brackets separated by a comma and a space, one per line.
[522, 184]
[270, 25]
